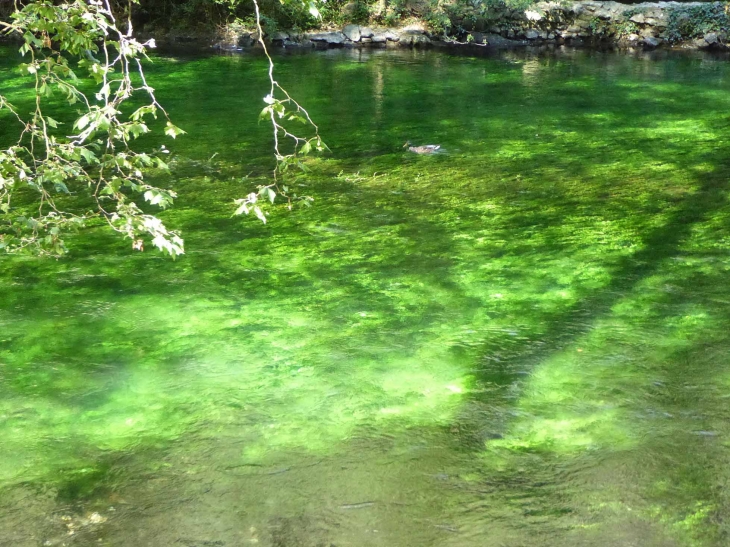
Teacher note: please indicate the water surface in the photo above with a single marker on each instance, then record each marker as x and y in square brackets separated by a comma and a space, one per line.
[520, 341]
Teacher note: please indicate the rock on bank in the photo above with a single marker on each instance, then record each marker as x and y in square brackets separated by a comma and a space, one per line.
[677, 24]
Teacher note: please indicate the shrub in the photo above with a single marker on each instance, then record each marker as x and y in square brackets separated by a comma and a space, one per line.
[695, 21]
[626, 28]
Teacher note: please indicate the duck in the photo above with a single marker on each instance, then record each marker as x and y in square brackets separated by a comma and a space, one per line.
[423, 149]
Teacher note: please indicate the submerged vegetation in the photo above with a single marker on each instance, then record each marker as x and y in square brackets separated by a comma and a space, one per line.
[521, 339]
[523, 336]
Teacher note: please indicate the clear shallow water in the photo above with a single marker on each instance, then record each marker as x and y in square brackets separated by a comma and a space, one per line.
[521, 341]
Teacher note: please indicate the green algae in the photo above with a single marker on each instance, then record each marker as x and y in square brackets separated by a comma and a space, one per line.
[523, 337]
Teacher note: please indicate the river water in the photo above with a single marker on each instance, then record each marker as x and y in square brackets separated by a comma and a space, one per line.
[520, 341]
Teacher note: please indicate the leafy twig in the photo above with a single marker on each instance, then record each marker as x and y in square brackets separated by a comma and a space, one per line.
[98, 160]
[277, 111]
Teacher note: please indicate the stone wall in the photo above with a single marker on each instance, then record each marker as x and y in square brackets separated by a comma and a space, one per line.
[349, 36]
[648, 25]
[688, 24]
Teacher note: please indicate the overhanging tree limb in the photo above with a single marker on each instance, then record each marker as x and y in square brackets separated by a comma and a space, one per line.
[96, 164]
[278, 111]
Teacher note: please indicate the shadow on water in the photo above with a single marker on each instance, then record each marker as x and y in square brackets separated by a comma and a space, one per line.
[660, 245]
[528, 453]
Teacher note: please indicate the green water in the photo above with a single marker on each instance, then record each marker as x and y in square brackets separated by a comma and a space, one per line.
[521, 341]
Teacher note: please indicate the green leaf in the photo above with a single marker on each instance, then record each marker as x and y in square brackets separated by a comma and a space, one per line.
[156, 197]
[260, 214]
[173, 131]
[45, 90]
[103, 123]
[104, 92]
[321, 146]
[306, 149]
[265, 113]
[242, 207]
[140, 113]
[137, 129]
[82, 122]
[88, 155]
[61, 188]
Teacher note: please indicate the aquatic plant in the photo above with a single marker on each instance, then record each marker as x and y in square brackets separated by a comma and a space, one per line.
[525, 336]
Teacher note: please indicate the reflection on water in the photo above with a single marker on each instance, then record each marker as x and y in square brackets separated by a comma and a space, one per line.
[378, 87]
[522, 341]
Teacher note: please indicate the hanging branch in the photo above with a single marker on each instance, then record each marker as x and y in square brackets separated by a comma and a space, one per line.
[47, 167]
[97, 162]
[280, 107]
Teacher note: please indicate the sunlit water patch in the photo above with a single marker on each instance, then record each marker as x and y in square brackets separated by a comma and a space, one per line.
[519, 341]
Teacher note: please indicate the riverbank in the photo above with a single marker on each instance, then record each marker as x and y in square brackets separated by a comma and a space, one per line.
[588, 23]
